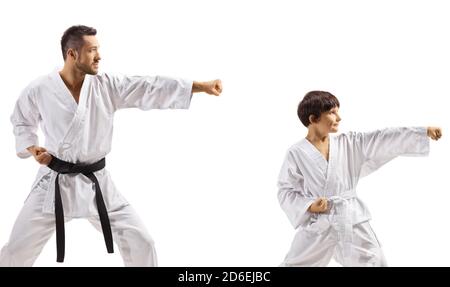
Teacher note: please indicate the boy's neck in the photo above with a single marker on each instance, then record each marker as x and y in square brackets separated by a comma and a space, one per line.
[317, 137]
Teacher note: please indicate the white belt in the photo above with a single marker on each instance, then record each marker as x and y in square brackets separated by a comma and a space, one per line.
[341, 219]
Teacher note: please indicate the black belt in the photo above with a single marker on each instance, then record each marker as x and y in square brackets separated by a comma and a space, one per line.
[64, 167]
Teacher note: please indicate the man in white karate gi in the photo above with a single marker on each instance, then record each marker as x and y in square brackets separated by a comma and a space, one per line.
[75, 109]
[318, 179]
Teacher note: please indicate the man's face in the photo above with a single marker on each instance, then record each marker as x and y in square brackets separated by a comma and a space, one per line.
[329, 121]
[88, 56]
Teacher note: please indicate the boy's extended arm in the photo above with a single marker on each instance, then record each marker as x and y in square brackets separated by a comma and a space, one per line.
[374, 149]
[435, 133]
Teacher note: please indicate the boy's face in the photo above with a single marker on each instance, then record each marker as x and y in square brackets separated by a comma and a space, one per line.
[328, 121]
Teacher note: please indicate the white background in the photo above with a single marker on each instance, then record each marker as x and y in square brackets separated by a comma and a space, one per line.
[204, 180]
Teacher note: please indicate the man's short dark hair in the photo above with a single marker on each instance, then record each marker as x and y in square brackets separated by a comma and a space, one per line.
[315, 103]
[73, 38]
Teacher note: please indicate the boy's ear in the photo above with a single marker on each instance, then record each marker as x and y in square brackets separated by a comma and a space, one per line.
[312, 119]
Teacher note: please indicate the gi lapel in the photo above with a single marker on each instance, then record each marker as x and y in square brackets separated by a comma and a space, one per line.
[330, 179]
[65, 149]
[316, 156]
[319, 166]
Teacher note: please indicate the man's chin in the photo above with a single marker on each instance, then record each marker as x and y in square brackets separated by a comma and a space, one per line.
[92, 72]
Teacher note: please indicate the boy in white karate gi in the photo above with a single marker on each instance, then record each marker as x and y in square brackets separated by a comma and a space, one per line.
[317, 184]
[75, 109]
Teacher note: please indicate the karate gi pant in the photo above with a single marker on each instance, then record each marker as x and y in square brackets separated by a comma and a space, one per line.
[314, 249]
[33, 229]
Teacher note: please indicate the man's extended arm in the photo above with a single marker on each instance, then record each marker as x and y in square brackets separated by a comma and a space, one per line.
[211, 87]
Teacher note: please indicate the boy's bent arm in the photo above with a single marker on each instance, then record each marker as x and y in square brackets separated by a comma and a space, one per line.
[291, 194]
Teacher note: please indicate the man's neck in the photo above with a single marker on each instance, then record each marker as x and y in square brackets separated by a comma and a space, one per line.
[72, 77]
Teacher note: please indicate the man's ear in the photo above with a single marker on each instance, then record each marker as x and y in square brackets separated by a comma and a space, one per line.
[72, 53]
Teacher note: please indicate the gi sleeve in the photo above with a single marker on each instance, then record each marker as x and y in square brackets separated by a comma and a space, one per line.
[381, 146]
[145, 92]
[25, 119]
[291, 194]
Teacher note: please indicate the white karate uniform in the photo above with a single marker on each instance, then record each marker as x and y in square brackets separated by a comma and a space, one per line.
[344, 230]
[82, 133]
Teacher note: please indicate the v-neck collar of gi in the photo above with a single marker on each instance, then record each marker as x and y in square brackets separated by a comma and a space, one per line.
[67, 95]
[324, 165]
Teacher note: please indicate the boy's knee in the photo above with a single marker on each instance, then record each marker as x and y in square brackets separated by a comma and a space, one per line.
[377, 259]
[148, 242]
